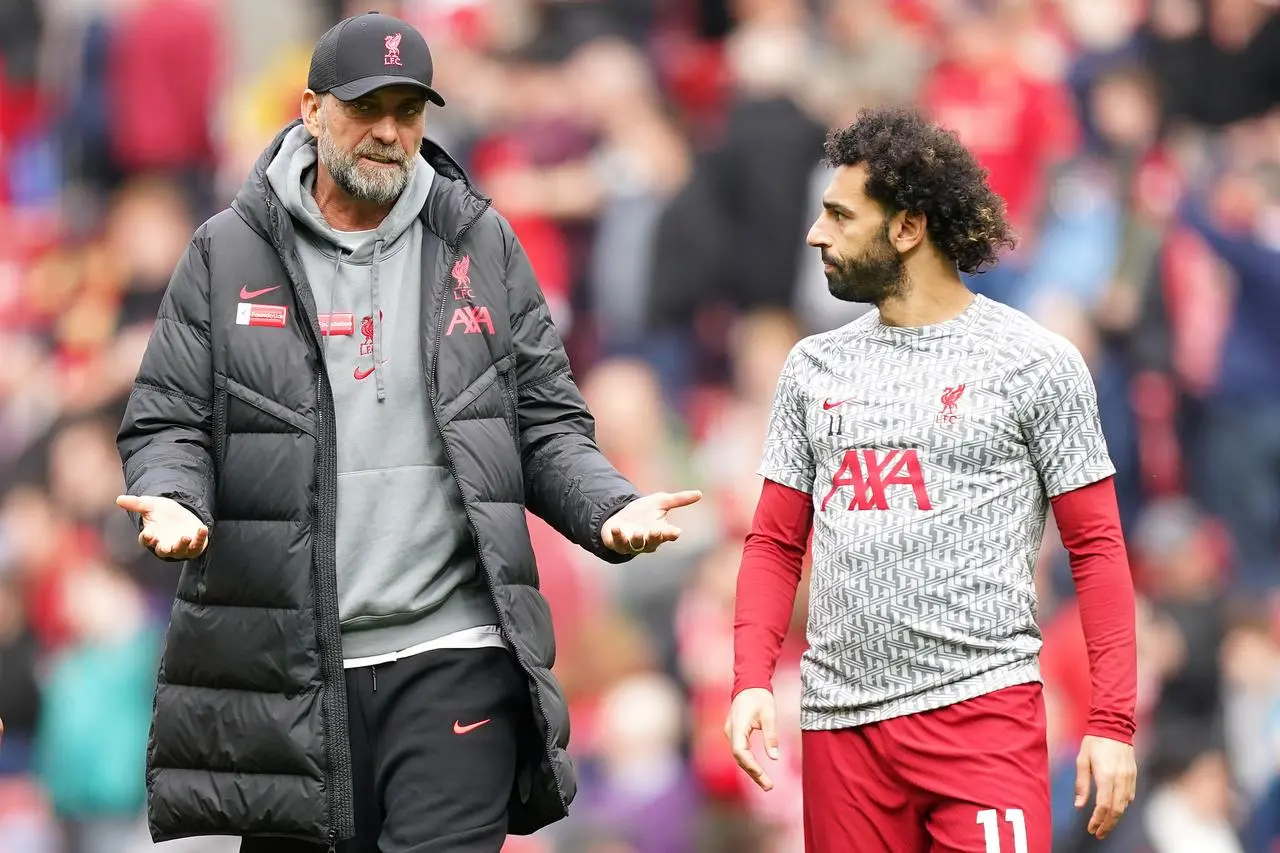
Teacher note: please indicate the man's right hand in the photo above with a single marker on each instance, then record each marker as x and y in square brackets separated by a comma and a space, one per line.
[752, 709]
[169, 529]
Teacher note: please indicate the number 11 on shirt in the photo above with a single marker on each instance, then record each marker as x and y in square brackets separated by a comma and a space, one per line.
[989, 818]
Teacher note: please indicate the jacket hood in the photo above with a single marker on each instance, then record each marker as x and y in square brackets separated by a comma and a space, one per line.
[452, 204]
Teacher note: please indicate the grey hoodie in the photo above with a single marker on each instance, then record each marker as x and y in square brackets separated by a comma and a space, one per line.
[407, 570]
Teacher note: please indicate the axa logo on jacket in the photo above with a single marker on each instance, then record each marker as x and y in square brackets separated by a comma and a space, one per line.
[473, 319]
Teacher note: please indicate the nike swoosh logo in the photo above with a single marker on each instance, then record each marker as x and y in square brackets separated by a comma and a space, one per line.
[460, 729]
[366, 372]
[827, 405]
[246, 293]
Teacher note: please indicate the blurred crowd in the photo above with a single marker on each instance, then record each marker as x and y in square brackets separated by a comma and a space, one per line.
[659, 159]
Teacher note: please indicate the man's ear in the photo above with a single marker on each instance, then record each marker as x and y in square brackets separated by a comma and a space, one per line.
[312, 103]
[907, 230]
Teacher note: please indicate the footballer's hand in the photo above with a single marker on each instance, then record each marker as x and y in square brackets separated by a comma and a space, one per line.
[753, 709]
[169, 529]
[1112, 766]
[642, 525]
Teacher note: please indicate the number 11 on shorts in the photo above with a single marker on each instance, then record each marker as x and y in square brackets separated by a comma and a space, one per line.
[990, 820]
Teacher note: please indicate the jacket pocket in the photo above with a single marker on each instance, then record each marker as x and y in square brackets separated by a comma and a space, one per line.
[511, 401]
[267, 406]
[502, 374]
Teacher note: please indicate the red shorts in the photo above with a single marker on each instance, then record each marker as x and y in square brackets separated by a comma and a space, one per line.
[969, 778]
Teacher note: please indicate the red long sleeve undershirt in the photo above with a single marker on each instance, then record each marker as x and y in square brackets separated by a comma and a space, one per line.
[1089, 523]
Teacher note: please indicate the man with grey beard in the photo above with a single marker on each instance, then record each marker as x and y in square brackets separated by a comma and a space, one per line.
[352, 394]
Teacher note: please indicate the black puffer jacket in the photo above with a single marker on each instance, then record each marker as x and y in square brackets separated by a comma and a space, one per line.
[236, 422]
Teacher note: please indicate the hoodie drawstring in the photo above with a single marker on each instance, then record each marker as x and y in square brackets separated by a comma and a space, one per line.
[333, 293]
[376, 309]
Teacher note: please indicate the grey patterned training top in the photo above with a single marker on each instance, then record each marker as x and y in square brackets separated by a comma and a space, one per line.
[931, 453]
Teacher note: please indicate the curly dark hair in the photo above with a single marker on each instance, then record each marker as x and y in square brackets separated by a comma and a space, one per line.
[918, 166]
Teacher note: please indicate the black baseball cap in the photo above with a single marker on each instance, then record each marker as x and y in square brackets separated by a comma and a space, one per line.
[367, 52]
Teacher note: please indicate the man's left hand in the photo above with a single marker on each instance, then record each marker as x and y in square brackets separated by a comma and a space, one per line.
[1113, 767]
[642, 525]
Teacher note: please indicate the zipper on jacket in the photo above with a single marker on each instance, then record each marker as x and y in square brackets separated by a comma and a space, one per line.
[333, 706]
[219, 425]
[337, 732]
[453, 470]
[219, 458]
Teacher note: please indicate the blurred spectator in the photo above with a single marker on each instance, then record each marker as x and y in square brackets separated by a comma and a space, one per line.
[640, 437]
[22, 413]
[731, 426]
[640, 161]
[1104, 206]
[1017, 123]
[20, 695]
[1174, 546]
[165, 128]
[91, 739]
[733, 235]
[637, 788]
[1239, 459]
[868, 56]
[1250, 662]
[147, 229]
[20, 30]
[1192, 805]
[43, 546]
[1219, 60]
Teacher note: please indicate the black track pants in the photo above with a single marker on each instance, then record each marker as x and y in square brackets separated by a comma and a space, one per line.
[434, 752]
